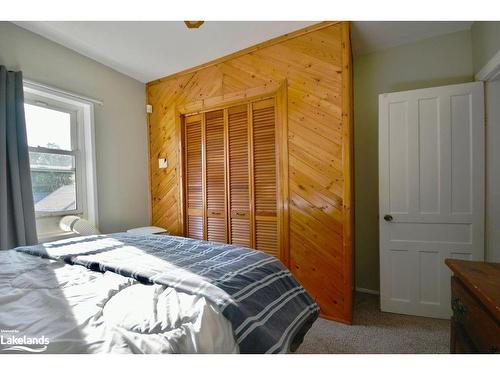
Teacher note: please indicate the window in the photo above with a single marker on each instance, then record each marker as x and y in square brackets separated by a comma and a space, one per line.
[59, 127]
[53, 147]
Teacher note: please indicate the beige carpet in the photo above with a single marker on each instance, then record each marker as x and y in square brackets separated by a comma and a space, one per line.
[377, 332]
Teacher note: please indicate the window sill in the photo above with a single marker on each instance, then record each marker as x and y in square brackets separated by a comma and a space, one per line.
[48, 229]
[50, 237]
[58, 214]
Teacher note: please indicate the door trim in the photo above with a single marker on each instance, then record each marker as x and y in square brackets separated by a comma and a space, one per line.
[491, 70]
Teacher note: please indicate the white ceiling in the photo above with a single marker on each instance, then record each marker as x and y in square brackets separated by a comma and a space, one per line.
[150, 50]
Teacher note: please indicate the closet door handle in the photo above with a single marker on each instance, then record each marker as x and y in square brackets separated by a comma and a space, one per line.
[388, 218]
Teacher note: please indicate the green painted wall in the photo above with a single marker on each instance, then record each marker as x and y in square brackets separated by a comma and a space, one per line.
[485, 42]
[437, 61]
[120, 124]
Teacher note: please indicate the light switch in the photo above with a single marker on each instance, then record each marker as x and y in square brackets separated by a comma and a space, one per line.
[162, 163]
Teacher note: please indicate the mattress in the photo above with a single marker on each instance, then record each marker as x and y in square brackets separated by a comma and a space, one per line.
[269, 311]
[52, 307]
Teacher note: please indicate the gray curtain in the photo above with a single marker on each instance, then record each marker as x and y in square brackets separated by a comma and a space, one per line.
[17, 212]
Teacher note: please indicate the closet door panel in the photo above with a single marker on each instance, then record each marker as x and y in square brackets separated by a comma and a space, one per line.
[194, 176]
[265, 177]
[266, 236]
[239, 176]
[215, 177]
[216, 229]
[232, 176]
[195, 227]
[241, 232]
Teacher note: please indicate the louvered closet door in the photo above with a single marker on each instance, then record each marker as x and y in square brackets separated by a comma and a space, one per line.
[194, 176]
[264, 175]
[239, 176]
[231, 170]
[215, 176]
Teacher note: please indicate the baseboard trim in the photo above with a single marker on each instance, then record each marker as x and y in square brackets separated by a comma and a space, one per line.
[369, 291]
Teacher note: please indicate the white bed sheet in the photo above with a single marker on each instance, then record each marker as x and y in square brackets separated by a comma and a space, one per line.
[82, 311]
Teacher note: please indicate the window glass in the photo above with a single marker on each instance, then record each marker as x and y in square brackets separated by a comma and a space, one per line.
[53, 173]
[44, 160]
[47, 127]
[54, 191]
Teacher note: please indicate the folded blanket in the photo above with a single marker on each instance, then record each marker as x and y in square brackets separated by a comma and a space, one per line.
[270, 312]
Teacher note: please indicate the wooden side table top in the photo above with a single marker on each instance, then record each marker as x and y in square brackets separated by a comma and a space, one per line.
[482, 279]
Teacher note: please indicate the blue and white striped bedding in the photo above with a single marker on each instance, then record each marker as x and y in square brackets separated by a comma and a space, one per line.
[269, 310]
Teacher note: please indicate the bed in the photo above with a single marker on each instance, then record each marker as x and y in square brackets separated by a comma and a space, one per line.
[62, 308]
[130, 293]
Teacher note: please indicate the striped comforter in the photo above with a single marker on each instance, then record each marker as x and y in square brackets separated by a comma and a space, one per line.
[270, 312]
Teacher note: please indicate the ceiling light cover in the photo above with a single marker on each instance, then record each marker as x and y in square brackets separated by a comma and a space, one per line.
[193, 24]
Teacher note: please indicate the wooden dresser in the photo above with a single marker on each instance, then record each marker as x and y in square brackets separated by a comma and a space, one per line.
[475, 301]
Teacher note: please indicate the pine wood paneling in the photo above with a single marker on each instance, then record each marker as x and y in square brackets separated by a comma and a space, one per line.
[315, 63]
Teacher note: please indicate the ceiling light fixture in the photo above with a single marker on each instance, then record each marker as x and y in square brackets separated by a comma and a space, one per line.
[193, 24]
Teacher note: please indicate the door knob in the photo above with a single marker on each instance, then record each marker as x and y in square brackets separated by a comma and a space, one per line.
[388, 217]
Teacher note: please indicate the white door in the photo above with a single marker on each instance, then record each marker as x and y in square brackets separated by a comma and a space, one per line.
[431, 187]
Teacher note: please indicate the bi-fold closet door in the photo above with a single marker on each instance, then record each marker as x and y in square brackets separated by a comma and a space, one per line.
[231, 176]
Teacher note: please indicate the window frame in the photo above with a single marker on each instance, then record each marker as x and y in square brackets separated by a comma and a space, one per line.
[81, 112]
[76, 151]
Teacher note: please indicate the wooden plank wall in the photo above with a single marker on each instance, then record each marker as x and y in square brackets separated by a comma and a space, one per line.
[316, 64]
